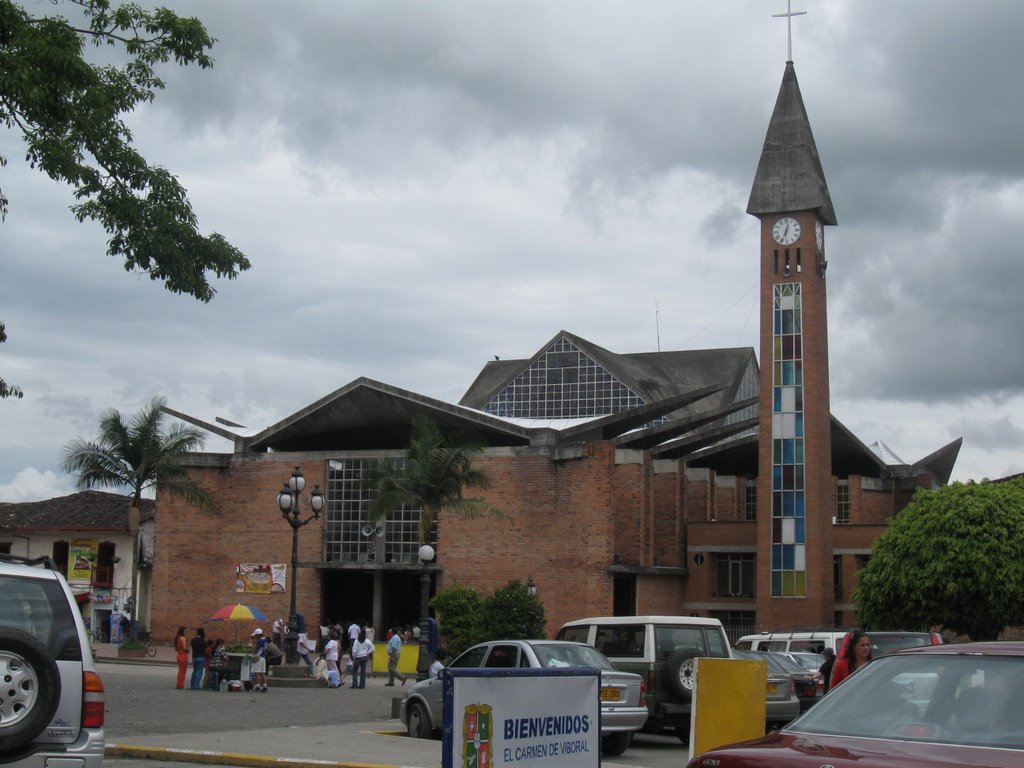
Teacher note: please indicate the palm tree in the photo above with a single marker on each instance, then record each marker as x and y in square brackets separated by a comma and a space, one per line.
[437, 468]
[139, 455]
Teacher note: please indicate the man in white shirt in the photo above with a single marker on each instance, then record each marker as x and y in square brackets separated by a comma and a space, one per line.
[353, 633]
[435, 669]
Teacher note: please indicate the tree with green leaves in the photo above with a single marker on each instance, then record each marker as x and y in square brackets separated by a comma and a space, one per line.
[458, 617]
[7, 390]
[952, 557]
[68, 106]
[138, 454]
[438, 466]
[465, 618]
[512, 613]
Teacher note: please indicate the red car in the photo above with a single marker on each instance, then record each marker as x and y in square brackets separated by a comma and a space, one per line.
[939, 705]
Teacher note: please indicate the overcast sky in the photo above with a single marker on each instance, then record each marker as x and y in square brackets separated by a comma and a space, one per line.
[423, 185]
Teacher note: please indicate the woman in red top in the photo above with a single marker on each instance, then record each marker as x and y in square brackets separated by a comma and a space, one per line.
[181, 648]
[854, 654]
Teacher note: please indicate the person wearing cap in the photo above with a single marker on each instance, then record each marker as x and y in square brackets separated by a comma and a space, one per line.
[824, 672]
[259, 661]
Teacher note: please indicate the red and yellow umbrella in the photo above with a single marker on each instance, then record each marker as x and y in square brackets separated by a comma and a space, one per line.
[238, 612]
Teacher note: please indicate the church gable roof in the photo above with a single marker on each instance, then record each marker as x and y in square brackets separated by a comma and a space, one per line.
[789, 175]
[565, 367]
[367, 414]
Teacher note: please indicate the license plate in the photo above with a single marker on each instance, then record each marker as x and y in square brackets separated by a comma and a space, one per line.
[610, 694]
[773, 688]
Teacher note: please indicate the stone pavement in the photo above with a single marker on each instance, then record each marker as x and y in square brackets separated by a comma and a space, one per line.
[379, 743]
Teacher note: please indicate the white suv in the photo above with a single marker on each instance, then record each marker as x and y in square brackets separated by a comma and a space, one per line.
[51, 699]
[661, 649]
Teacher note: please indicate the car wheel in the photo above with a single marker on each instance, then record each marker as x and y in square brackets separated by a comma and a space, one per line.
[614, 744]
[681, 670]
[418, 722]
[29, 688]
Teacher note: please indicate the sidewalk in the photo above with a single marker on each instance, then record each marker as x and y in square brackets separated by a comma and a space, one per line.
[378, 743]
[364, 744]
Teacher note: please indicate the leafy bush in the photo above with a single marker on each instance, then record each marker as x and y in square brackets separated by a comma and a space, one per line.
[512, 614]
[458, 613]
[465, 618]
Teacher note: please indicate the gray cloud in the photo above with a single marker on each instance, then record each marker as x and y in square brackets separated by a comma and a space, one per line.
[421, 186]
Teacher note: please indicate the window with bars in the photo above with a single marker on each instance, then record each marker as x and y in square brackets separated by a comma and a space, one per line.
[843, 502]
[750, 502]
[734, 574]
[349, 535]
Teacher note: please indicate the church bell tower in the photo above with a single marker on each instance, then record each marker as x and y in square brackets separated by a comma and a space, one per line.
[794, 487]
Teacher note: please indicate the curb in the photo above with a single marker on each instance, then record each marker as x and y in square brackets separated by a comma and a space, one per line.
[227, 758]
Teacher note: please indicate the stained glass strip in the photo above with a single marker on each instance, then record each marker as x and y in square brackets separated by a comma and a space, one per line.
[789, 558]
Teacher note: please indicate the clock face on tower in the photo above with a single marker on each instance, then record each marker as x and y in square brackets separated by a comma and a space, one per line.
[819, 235]
[786, 231]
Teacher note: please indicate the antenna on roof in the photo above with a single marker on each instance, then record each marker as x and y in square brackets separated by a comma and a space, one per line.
[788, 16]
[657, 323]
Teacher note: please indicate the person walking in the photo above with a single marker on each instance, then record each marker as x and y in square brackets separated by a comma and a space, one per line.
[394, 655]
[353, 634]
[331, 653]
[362, 652]
[825, 670]
[854, 654]
[302, 647]
[218, 664]
[181, 651]
[198, 658]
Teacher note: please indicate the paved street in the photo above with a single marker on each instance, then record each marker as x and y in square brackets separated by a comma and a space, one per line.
[341, 725]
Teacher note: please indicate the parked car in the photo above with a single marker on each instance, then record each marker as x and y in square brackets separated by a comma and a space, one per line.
[886, 642]
[804, 682]
[623, 706]
[660, 648]
[812, 641]
[810, 661]
[782, 704]
[51, 700]
[817, 640]
[934, 705]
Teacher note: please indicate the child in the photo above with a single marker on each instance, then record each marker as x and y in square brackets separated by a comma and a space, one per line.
[345, 666]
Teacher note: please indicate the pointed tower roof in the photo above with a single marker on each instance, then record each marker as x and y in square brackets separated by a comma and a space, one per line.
[789, 175]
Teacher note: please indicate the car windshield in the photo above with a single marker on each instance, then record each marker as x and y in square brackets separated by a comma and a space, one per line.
[891, 641]
[811, 662]
[956, 699]
[786, 664]
[567, 655]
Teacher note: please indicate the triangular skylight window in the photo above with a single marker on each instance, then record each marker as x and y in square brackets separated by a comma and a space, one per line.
[563, 383]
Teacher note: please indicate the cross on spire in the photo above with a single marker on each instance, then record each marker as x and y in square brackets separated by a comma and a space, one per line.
[788, 15]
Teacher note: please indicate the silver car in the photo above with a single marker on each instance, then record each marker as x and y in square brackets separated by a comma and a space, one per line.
[782, 704]
[51, 705]
[623, 708]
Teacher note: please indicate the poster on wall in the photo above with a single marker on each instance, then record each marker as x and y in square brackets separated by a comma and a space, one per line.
[81, 556]
[260, 578]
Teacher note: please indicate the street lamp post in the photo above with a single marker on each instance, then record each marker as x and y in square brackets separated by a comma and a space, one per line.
[426, 554]
[288, 502]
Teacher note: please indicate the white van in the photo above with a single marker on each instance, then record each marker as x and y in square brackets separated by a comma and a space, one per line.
[810, 641]
[815, 641]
